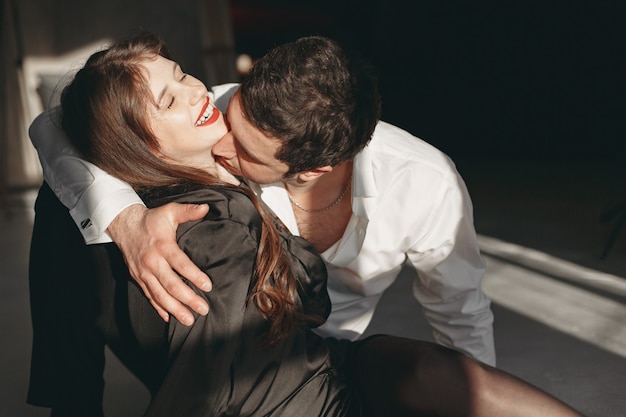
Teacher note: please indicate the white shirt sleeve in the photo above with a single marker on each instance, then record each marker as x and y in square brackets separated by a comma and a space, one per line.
[449, 277]
[93, 197]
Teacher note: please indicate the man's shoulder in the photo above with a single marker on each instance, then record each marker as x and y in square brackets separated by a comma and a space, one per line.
[222, 94]
[46, 123]
[394, 148]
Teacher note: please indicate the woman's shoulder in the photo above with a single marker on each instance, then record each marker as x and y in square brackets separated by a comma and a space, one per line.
[226, 203]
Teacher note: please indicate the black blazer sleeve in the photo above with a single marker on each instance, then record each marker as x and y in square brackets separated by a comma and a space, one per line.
[223, 245]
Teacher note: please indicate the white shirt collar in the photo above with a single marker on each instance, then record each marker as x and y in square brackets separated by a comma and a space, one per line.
[364, 185]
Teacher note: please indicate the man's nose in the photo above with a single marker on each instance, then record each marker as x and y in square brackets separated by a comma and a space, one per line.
[225, 147]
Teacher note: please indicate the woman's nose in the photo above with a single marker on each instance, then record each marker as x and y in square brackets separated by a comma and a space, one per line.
[198, 93]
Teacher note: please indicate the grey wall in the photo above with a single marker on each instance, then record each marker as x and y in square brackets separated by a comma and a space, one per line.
[51, 27]
[198, 33]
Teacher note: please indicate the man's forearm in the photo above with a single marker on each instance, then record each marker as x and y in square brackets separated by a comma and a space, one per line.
[99, 205]
[453, 300]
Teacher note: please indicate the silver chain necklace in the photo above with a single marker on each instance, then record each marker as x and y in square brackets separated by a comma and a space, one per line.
[328, 207]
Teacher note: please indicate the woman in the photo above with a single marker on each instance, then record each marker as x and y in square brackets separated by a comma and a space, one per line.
[134, 113]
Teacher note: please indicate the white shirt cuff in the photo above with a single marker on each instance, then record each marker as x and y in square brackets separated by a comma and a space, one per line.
[103, 209]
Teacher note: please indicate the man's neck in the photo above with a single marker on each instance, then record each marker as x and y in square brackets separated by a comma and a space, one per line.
[321, 191]
[323, 207]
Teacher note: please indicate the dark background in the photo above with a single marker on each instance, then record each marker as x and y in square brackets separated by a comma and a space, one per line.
[540, 79]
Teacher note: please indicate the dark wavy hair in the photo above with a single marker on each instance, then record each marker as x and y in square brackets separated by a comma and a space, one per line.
[105, 115]
[321, 103]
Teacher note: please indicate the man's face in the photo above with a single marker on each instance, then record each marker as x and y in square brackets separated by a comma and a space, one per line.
[247, 151]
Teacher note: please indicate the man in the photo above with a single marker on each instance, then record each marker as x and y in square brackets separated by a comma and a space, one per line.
[301, 128]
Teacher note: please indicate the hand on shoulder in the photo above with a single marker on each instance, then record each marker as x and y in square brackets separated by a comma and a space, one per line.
[147, 239]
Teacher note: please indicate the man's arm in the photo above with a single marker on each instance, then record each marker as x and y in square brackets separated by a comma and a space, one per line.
[93, 197]
[147, 239]
[104, 207]
[449, 278]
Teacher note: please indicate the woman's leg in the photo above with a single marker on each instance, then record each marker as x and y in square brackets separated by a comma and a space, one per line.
[403, 377]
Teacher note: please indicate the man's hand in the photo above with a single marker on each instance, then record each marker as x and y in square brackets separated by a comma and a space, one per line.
[147, 239]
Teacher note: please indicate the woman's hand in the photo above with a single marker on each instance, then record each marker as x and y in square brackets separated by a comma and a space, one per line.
[147, 239]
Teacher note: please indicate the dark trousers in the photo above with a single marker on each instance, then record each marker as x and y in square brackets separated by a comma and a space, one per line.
[81, 300]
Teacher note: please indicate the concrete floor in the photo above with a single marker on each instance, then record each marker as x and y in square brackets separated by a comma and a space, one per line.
[560, 310]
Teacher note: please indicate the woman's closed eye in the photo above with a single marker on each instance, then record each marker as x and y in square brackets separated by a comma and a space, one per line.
[173, 99]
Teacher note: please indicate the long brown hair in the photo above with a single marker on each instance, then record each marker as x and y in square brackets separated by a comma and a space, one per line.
[105, 114]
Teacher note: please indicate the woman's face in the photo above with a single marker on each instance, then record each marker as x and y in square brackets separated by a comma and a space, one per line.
[184, 120]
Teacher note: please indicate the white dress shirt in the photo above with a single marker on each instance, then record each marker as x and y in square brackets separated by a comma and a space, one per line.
[408, 202]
